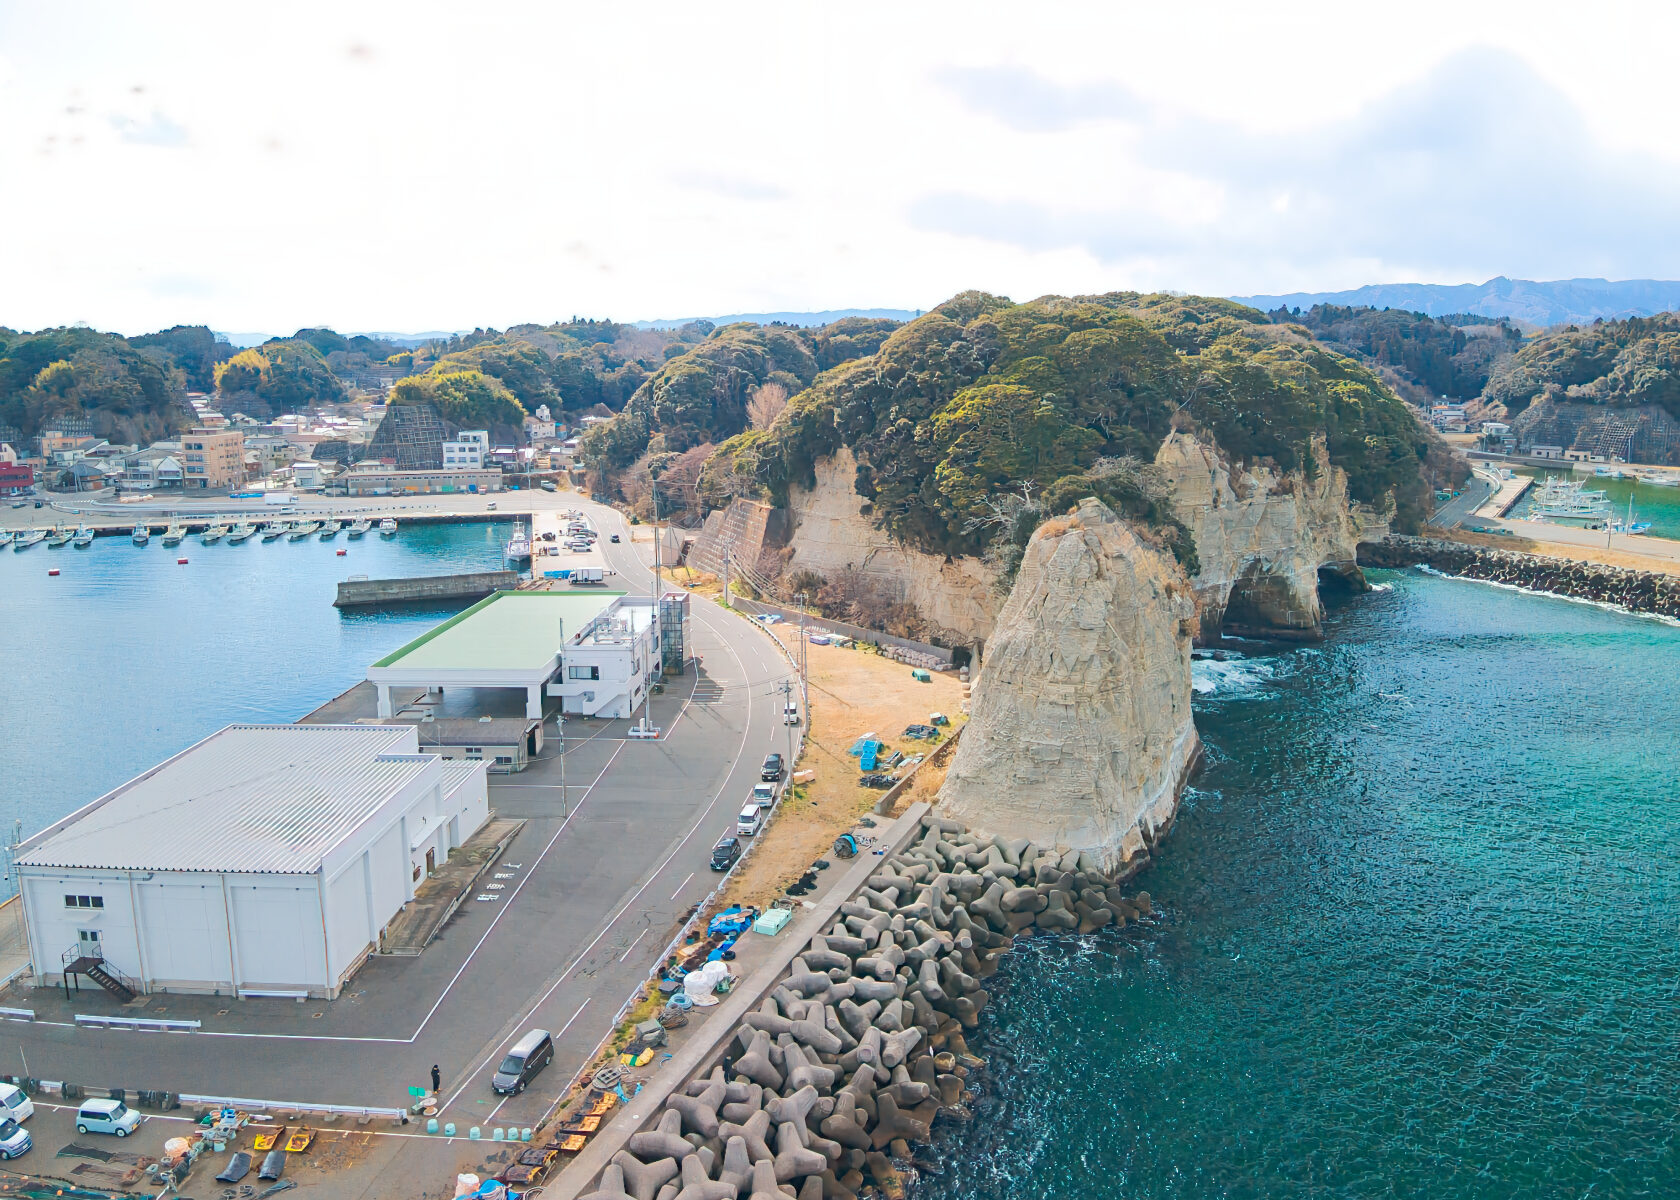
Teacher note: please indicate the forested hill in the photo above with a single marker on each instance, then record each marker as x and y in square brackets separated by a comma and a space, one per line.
[1537, 304]
[1620, 363]
[1421, 357]
[983, 399]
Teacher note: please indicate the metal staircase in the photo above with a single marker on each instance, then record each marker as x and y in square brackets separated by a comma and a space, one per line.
[90, 961]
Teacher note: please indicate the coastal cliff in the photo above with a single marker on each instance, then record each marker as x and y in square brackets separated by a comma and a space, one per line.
[1265, 539]
[1081, 735]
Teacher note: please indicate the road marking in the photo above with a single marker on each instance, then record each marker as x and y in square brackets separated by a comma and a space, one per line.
[682, 885]
[556, 1036]
[632, 945]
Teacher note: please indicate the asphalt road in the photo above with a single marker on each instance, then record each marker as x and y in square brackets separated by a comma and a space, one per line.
[1475, 494]
[594, 886]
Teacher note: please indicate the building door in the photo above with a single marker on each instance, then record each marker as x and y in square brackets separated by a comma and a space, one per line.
[431, 861]
[87, 943]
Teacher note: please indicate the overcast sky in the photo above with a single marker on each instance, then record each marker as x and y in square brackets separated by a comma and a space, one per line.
[419, 167]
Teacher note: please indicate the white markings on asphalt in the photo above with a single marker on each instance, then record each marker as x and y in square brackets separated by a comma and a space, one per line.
[682, 885]
[632, 946]
[556, 1036]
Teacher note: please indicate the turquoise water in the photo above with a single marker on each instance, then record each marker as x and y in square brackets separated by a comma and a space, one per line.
[126, 657]
[1658, 505]
[1418, 933]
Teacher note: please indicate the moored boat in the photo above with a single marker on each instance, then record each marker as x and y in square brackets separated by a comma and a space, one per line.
[83, 537]
[141, 535]
[357, 528]
[275, 529]
[29, 537]
[240, 532]
[57, 538]
[302, 530]
[175, 534]
[330, 530]
[388, 527]
[214, 533]
[1565, 502]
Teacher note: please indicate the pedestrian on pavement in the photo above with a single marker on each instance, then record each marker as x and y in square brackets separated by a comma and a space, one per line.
[437, 1079]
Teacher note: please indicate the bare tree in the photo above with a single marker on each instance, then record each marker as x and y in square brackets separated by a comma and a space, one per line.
[766, 405]
[679, 483]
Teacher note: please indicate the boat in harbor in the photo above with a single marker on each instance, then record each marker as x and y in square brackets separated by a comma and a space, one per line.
[5, 536]
[1567, 502]
[302, 530]
[141, 535]
[214, 533]
[1629, 524]
[518, 548]
[330, 530]
[275, 529]
[357, 528]
[28, 537]
[175, 534]
[83, 537]
[58, 538]
[240, 532]
[388, 527]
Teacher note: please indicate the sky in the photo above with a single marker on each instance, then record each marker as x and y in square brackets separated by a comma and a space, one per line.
[418, 166]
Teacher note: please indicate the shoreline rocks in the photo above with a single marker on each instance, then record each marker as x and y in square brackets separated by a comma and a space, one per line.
[1636, 591]
[860, 1047]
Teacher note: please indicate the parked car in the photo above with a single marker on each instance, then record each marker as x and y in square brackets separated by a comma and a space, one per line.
[548, 485]
[790, 713]
[14, 1104]
[750, 821]
[772, 770]
[530, 1054]
[25, 504]
[764, 794]
[107, 1116]
[615, 537]
[14, 1139]
[725, 853]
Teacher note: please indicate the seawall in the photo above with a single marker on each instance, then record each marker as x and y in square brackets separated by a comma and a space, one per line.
[361, 593]
[1636, 591]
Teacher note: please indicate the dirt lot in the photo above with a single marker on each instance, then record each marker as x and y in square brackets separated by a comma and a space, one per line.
[854, 691]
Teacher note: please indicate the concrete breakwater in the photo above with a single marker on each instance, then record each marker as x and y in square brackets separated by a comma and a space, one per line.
[860, 1046]
[361, 593]
[1636, 591]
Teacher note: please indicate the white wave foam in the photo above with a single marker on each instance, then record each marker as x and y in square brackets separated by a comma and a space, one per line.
[1382, 587]
[1229, 676]
[1605, 605]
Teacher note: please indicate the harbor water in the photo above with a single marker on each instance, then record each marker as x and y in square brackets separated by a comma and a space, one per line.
[1656, 504]
[126, 657]
[1417, 933]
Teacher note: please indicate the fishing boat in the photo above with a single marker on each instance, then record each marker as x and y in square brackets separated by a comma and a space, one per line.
[58, 538]
[330, 530]
[357, 528]
[5, 536]
[83, 537]
[214, 533]
[28, 537]
[388, 527]
[518, 548]
[275, 529]
[175, 534]
[1629, 525]
[141, 535]
[1566, 502]
[240, 532]
[302, 530]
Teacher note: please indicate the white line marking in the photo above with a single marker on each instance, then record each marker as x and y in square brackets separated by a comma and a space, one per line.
[556, 1037]
[632, 946]
[682, 885]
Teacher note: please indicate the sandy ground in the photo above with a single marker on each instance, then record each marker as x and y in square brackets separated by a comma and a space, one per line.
[853, 692]
[1592, 554]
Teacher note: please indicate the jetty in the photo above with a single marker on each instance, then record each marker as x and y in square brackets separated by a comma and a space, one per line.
[366, 593]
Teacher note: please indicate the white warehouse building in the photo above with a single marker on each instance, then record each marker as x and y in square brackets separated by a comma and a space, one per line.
[265, 860]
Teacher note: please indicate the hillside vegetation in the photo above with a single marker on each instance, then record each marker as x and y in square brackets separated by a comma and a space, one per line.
[1621, 363]
[1422, 357]
[983, 399]
[127, 390]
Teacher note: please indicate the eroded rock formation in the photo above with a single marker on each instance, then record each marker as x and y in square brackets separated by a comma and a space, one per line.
[1081, 735]
[1265, 539]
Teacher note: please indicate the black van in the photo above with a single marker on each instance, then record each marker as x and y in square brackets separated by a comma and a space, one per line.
[530, 1054]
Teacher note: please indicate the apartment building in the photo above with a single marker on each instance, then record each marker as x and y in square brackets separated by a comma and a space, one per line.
[212, 458]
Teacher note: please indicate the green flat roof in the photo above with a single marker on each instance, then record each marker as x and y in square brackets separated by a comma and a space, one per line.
[505, 631]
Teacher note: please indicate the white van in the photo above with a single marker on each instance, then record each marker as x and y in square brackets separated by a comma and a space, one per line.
[790, 713]
[750, 821]
[16, 1105]
[107, 1116]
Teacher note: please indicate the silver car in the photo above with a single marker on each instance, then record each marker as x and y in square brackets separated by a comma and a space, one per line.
[14, 1139]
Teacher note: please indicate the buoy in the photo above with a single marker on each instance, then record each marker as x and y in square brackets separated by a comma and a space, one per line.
[341, 554]
[180, 562]
[54, 571]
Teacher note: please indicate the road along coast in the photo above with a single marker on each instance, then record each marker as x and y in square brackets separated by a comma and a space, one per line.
[1633, 590]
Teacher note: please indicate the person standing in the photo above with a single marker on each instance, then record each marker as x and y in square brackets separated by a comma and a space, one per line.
[437, 1079]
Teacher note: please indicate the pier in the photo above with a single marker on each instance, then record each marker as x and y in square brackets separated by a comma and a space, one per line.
[1505, 499]
[363, 593]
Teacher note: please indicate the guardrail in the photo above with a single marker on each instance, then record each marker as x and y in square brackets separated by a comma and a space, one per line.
[17, 1014]
[246, 1102]
[162, 1024]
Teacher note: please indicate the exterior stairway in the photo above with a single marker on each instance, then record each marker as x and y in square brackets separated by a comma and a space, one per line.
[101, 972]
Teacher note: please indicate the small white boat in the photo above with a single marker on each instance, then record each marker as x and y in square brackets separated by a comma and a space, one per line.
[28, 538]
[275, 529]
[388, 527]
[518, 548]
[5, 536]
[58, 538]
[330, 530]
[240, 532]
[175, 534]
[214, 534]
[301, 531]
[357, 528]
[82, 538]
[141, 535]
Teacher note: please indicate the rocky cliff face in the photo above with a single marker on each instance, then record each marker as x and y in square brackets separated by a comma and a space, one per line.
[1264, 538]
[1081, 734]
[831, 533]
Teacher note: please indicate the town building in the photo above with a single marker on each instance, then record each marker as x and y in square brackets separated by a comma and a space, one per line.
[469, 451]
[265, 860]
[372, 479]
[212, 458]
[15, 476]
[504, 744]
[151, 470]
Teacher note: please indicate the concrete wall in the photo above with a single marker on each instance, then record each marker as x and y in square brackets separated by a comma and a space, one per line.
[357, 592]
[855, 632]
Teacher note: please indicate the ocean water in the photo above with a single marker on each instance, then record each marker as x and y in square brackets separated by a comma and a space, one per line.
[1417, 933]
[126, 657]
[1658, 505]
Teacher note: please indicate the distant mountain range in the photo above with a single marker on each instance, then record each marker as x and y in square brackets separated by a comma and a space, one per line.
[1542, 303]
[827, 316]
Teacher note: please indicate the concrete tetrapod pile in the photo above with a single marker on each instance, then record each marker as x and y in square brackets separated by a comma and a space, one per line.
[860, 1046]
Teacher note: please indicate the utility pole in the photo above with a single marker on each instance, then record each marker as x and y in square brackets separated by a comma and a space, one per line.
[560, 720]
[804, 660]
[728, 561]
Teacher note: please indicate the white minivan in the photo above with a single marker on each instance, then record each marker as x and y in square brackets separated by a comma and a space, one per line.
[750, 821]
[16, 1105]
[107, 1116]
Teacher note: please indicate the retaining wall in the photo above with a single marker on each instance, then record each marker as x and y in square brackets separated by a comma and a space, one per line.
[856, 632]
[355, 593]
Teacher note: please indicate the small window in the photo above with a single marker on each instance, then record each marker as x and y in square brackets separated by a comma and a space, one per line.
[84, 902]
[583, 672]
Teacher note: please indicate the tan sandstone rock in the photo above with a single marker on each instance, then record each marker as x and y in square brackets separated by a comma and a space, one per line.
[1081, 733]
